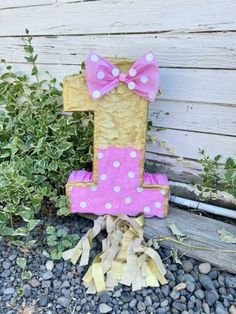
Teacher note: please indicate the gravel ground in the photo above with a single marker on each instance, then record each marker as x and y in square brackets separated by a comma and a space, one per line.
[56, 287]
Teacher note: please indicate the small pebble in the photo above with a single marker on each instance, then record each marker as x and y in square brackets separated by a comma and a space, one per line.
[180, 286]
[104, 308]
[204, 268]
[49, 265]
[34, 283]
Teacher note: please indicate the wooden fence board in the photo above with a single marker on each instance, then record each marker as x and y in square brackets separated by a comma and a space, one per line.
[186, 144]
[108, 17]
[206, 50]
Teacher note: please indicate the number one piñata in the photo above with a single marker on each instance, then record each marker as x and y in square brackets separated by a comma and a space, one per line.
[118, 92]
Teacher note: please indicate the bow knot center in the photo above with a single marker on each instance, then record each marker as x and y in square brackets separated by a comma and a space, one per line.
[122, 77]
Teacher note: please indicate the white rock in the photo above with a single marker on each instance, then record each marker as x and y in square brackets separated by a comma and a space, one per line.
[204, 268]
[49, 265]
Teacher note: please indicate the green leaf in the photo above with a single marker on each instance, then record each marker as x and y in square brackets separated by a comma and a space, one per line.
[22, 231]
[175, 256]
[179, 234]
[32, 224]
[26, 275]
[21, 262]
[226, 236]
[50, 229]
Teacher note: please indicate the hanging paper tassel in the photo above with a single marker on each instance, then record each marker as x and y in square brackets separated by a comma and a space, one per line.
[125, 256]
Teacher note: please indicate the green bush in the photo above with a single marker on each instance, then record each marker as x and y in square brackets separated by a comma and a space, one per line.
[39, 147]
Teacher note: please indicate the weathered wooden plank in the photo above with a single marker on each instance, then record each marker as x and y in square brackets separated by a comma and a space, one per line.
[186, 144]
[186, 190]
[202, 50]
[199, 228]
[213, 86]
[194, 116]
[128, 16]
[177, 169]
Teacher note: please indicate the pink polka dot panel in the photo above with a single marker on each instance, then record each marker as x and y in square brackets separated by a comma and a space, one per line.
[118, 190]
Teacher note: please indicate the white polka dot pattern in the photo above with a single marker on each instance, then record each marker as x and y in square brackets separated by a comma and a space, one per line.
[108, 205]
[83, 204]
[139, 189]
[128, 200]
[133, 154]
[103, 177]
[131, 175]
[116, 189]
[116, 164]
[100, 75]
[147, 209]
[149, 57]
[144, 79]
[96, 94]
[131, 85]
[94, 58]
[132, 72]
[93, 188]
[100, 155]
[158, 205]
[115, 72]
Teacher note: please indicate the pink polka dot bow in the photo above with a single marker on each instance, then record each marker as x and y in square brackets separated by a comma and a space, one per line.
[142, 78]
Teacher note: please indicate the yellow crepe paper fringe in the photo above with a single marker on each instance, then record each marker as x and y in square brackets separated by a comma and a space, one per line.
[125, 256]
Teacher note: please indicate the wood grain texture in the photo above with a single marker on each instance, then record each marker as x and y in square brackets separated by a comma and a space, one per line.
[201, 50]
[186, 144]
[107, 17]
[205, 229]
[194, 116]
[209, 86]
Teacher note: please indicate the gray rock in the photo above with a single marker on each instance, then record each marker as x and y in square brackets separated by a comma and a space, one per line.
[148, 301]
[132, 303]
[174, 294]
[141, 306]
[34, 283]
[104, 308]
[64, 302]
[230, 281]
[46, 284]
[48, 275]
[190, 286]
[206, 282]
[204, 268]
[206, 308]
[179, 306]
[12, 257]
[162, 310]
[49, 265]
[6, 265]
[6, 273]
[165, 290]
[199, 294]
[188, 277]
[187, 266]
[104, 298]
[220, 309]
[9, 291]
[65, 284]
[211, 297]
[117, 294]
[43, 300]
[56, 284]
[27, 290]
[164, 303]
